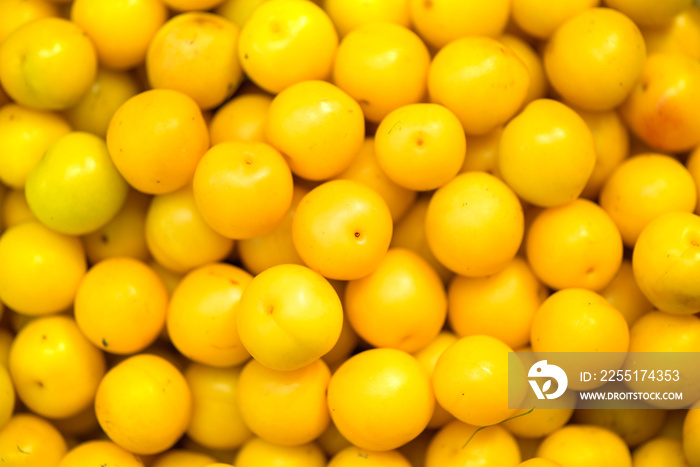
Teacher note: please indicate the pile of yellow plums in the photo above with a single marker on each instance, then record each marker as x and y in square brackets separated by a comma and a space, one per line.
[295, 233]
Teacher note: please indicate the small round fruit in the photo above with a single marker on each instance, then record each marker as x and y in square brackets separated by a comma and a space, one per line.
[285, 42]
[202, 315]
[479, 207]
[27, 441]
[54, 367]
[156, 140]
[348, 15]
[491, 446]
[342, 229]
[16, 13]
[612, 146]
[645, 187]
[574, 245]
[471, 380]
[479, 79]
[25, 134]
[624, 294]
[99, 453]
[501, 305]
[115, 294]
[595, 58]
[681, 35]
[657, 331]
[48, 63]
[666, 262]
[547, 153]
[144, 404]
[284, 407]
[311, 120]
[258, 452]
[177, 235]
[650, 13]
[75, 188]
[216, 417]
[121, 31]
[578, 320]
[366, 169]
[383, 66]
[401, 304]
[34, 258]
[124, 235]
[95, 109]
[533, 62]
[585, 445]
[368, 396]
[660, 110]
[540, 18]
[441, 21]
[243, 189]
[195, 53]
[240, 119]
[660, 451]
[355, 457]
[421, 146]
[289, 316]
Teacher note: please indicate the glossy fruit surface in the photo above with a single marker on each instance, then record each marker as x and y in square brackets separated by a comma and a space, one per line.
[670, 243]
[480, 207]
[401, 304]
[311, 119]
[47, 64]
[156, 139]
[367, 396]
[243, 190]
[342, 229]
[75, 188]
[114, 294]
[288, 317]
[482, 81]
[134, 404]
[595, 58]
[196, 53]
[287, 35]
[202, 315]
[546, 153]
[31, 257]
